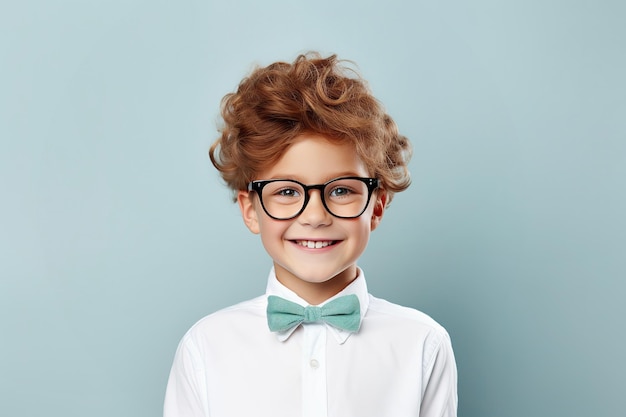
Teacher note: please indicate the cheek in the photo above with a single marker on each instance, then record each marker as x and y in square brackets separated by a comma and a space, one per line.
[271, 230]
[362, 228]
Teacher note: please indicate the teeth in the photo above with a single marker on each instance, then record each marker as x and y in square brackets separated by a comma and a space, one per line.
[314, 244]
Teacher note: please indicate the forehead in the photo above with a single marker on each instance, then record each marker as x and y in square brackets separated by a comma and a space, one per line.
[313, 158]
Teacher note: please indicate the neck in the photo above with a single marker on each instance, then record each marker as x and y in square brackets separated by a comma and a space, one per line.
[316, 293]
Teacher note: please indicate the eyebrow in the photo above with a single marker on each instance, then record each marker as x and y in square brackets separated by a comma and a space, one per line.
[327, 178]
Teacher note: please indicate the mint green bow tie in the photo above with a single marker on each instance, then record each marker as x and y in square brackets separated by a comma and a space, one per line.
[343, 313]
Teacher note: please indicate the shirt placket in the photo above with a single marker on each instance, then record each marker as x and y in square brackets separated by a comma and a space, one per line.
[314, 392]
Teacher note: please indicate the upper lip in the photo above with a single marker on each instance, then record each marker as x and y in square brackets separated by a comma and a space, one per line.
[314, 239]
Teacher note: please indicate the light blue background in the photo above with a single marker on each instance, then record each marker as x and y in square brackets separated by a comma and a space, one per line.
[116, 234]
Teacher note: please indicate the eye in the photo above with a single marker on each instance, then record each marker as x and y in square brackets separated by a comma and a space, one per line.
[340, 192]
[287, 192]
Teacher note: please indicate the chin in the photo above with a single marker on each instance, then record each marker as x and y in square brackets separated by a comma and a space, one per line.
[314, 279]
[321, 277]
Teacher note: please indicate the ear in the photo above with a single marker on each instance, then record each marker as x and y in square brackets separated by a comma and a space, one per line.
[248, 211]
[379, 208]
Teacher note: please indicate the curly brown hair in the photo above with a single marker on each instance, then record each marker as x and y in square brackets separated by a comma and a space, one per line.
[314, 95]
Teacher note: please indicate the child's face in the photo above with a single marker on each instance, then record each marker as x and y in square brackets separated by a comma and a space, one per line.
[314, 273]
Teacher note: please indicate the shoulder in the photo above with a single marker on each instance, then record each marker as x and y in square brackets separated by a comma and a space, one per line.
[395, 312]
[406, 321]
[236, 319]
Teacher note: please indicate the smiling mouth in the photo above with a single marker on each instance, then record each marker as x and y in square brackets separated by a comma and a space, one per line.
[315, 244]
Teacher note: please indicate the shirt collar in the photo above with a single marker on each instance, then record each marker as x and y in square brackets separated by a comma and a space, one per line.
[357, 287]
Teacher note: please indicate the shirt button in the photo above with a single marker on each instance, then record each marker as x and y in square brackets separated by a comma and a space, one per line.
[314, 363]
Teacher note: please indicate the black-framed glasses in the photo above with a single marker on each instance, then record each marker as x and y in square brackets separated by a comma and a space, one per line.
[345, 197]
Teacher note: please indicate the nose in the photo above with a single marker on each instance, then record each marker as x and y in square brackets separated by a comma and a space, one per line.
[315, 213]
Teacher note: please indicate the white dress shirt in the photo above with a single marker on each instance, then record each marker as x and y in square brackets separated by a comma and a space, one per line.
[399, 364]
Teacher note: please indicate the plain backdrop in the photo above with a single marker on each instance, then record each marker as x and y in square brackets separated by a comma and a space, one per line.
[116, 233]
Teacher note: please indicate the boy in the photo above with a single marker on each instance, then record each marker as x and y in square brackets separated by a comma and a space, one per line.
[313, 161]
